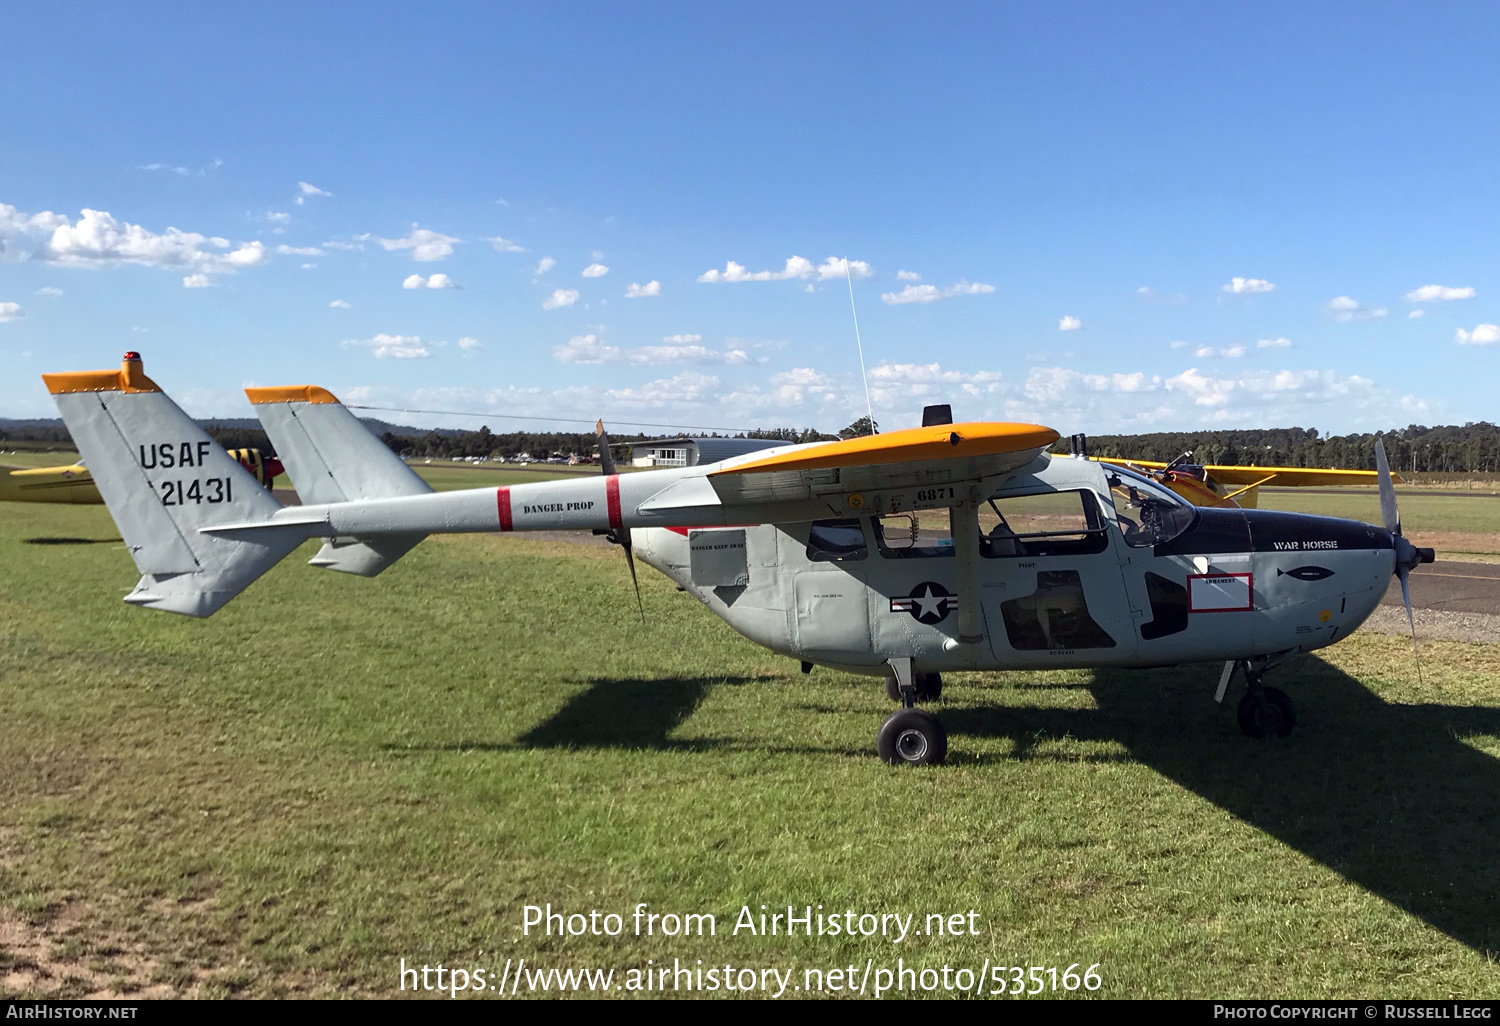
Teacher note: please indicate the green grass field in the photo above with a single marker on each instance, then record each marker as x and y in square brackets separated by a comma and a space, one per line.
[333, 773]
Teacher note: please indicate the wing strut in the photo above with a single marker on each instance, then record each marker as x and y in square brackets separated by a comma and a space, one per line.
[965, 523]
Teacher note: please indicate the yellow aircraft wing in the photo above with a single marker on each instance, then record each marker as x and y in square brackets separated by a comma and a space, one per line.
[1281, 477]
[73, 484]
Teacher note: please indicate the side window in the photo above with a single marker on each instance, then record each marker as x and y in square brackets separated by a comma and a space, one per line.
[1047, 524]
[836, 541]
[920, 534]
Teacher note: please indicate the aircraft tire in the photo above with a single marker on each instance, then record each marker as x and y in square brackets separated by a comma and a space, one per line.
[912, 737]
[929, 687]
[1267, 714]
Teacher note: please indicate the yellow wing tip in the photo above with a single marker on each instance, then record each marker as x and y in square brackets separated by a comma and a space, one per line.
[290, 394]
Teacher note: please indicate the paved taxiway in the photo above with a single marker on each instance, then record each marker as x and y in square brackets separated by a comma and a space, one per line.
[1455, 587]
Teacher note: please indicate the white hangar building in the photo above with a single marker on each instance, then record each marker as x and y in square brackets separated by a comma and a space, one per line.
[689, 452]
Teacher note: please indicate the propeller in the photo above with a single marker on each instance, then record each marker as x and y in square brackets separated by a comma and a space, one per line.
[620, 536]
[1408, 556]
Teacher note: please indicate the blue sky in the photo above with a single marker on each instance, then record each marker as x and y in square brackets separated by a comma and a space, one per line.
[1099, 217]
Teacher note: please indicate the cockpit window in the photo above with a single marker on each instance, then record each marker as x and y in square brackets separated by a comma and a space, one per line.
[1149, 514]
[836, 541]
[1043, 524]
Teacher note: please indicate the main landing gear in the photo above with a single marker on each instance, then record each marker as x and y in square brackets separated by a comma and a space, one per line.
[1264, 711]
[909, 736]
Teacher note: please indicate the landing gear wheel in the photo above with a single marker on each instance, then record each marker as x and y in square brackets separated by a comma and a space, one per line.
[929, 687]
[911, 737]
[1267, 712]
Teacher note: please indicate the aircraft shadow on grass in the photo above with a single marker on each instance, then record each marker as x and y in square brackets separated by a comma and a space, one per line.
[628, 714]
[1388, 796]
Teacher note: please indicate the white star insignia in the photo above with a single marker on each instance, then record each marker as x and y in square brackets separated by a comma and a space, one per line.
[929, 604]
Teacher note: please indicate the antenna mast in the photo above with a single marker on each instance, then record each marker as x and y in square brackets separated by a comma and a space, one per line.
[863, 377]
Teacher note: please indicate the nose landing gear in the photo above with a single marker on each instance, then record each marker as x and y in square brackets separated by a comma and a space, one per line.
[911, 736]
[1264, 711]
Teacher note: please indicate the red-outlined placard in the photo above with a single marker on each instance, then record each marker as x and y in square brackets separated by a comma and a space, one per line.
[1221, 593]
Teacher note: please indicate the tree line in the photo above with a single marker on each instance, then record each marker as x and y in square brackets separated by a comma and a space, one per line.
[1416, 447]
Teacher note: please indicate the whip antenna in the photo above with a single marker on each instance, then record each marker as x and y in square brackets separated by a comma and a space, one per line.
[863, 377]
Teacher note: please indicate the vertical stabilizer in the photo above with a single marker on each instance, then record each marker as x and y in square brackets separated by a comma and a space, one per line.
[164, 480]
[332, 457]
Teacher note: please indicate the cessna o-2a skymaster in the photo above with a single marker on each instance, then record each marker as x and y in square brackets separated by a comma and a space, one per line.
[1020, 560]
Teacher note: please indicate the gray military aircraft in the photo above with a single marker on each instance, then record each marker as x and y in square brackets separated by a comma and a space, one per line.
[904, 555]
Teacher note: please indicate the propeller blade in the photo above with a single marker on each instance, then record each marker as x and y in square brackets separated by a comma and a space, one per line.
[1411, 622]
[606, 460]
[624, 536]
[1388, 512]
[621, 536]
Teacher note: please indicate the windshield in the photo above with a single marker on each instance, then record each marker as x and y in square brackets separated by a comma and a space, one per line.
[1148, 513]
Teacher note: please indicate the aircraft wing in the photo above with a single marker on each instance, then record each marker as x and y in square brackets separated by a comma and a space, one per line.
[918, 467]
[1280, 477]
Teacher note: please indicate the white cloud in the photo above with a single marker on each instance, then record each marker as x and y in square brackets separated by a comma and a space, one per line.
[392, 347]
[1226, 352]
[587, 349]
[1249, 285]
[796, 267]
[931, 293]
[838, 267]
[560, 297]
[1052, 384]
[307, 189]
[908, 386]
[504, 245]
[595, 271]
[11, 312]
[908, 276]
[1415, 314]
[49, 290]
[299, 251]
[1344, 309]
[545, 264]
[99, 240]
[1274, 343]
[425, 244]
[1439, 294]
[276, 217]
[470, 345]
[197, 281]
[1180, 344]
[635, 291]
[1149, 295]
[437, 281]
[339, 304]
[1069, 324]
[164, 167]
[800, 383]
[356, 244]
[1482, 335]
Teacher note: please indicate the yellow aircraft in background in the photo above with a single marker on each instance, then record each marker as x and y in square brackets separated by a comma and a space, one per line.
[1238, 486]
[74, 484]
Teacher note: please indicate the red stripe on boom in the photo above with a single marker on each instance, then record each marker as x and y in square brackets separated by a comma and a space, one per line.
[502, 502]
[612, 494]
